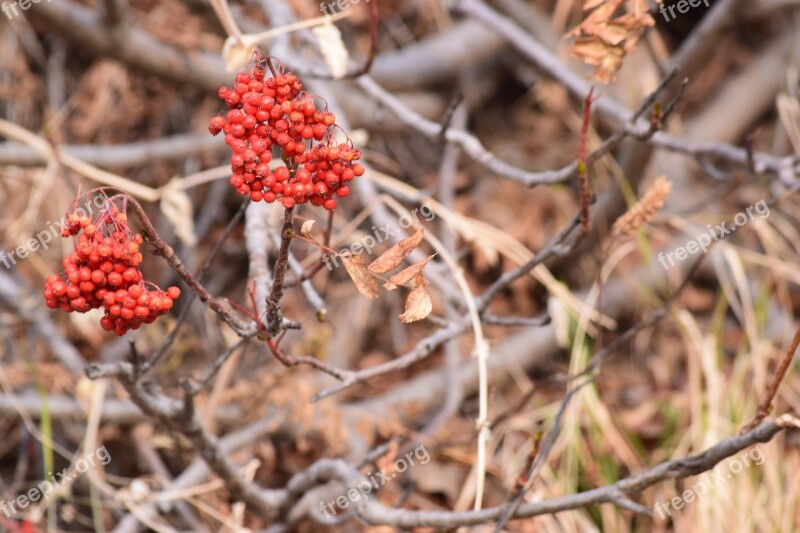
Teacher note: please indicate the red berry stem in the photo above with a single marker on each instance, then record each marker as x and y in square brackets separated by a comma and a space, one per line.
[201, 276]
[274, 315]
[221, 307]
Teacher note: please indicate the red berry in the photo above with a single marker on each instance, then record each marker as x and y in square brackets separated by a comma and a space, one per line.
[281, 174]
[135, 291]
[216, 125]
[131, 274]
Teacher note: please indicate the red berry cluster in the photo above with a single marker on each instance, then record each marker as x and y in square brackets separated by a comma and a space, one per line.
[275, 112]
[103, 271]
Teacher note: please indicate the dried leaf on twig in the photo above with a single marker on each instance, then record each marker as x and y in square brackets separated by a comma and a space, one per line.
[405, 275]
[365, 282]
[392, 257]
[305, 229]
[333, 50]
[603, 39]
[418, 305]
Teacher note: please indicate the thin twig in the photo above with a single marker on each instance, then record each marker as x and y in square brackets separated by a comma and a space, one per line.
[274, 315]
[765, 407]
[222, 308]
[201, 276]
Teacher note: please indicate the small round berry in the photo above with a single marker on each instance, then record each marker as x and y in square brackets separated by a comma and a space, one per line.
[235, 116]
[242, 77]
[86, 286]
[59, 288]
[216, 125]
[174, 293]
[135, 291]
[342, 191]
[131, 275]
[330, 204]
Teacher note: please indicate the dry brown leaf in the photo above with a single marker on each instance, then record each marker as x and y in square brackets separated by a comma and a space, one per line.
[418, 306]
[365, 283]
[603, 39]
[406, 274]
[392, 257]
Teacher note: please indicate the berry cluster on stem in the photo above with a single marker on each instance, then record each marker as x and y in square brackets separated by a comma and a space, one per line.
[272, 116]
[103, 271]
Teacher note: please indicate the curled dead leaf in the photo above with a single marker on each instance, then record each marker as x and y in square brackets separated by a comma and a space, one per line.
[418, 306]
[604, 37]
[405, 275]
[332, 48]
[236, 53]
[364, 281]
[305, 229]
[392, 257]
